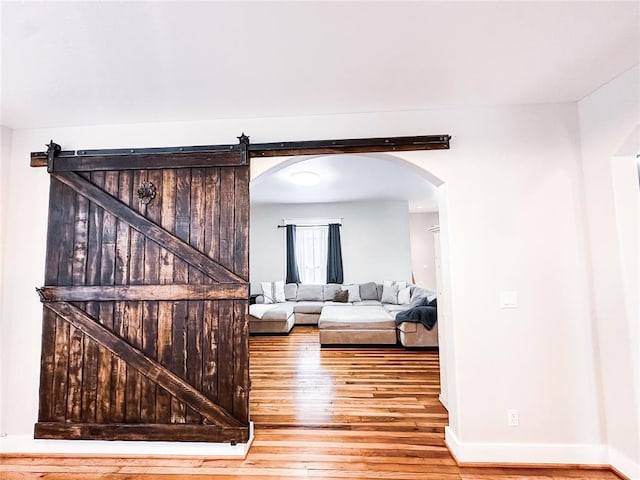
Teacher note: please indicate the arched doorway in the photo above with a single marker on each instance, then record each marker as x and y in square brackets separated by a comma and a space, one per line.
[265, 169]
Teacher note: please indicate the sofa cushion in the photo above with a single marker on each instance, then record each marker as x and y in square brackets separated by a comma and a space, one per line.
[330, 290]
[273, 292]
[310, 293]
[291, 292]
[368, 291]
[354, 292]
[308, 307]
[404, 296]
[423, 292]
[390, 294]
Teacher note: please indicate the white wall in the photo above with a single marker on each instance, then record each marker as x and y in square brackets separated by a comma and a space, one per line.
[5, 159]
[422, 252]
[374, 237]
[609, 120]
[513, 221]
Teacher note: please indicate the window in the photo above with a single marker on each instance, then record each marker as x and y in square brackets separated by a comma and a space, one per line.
[311, 253]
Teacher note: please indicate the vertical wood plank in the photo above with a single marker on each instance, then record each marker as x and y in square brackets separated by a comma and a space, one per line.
[106, 363]
[241, 230]
[48, 351]
[210, 350]
[165, 309]
[195, 308]
[150, 309]
[210, 335]
[240, 360]
[92, 277]
[227, 217]
[134, 309]
[225, 309]
[225, 354]
[181, 276]
[121, 316]
[59, 392]
[65, 277]
[78, 274]
[212, 215]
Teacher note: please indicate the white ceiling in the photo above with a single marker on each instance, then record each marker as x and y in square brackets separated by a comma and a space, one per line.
[85, 63]
[88, 63]
[346, 178]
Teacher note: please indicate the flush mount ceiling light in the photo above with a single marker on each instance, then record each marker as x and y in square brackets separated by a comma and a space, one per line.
[305, 179]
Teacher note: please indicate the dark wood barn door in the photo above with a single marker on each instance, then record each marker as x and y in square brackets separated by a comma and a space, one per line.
[145, 300]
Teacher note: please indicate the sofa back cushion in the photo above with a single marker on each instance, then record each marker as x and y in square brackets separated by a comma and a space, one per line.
[329, 291]
[423, 292]
[291, 291]
[368, 291]
[310, 292]
[354, 292]
[273, 292]
[404, 295]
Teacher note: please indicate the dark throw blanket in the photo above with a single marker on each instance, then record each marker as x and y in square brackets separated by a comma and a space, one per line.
[427, 315]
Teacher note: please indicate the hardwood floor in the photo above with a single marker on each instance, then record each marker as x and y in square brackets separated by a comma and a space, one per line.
[337, 413]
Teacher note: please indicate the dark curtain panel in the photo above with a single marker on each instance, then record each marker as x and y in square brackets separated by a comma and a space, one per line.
[292, 266]
[334, 257]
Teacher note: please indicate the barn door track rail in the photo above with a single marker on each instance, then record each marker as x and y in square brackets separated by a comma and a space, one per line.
[58, 160]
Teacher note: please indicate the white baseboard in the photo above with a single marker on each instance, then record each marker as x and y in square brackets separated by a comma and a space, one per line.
[624, 464]
[526, 453]
[27, 444]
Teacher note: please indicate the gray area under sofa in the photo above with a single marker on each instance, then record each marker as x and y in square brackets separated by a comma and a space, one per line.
[305, 305]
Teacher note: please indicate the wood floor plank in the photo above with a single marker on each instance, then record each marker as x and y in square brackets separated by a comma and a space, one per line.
[332, 414]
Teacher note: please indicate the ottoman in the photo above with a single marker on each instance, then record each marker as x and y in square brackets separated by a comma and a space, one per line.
[417, 336]
[271, 318]
[364, 325]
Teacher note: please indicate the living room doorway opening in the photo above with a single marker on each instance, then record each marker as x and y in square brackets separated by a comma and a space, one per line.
[385, 191]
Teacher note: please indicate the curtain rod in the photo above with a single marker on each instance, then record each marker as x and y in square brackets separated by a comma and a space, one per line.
[303, 226]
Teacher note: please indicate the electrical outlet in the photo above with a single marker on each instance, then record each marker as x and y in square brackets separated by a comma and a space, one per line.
[512, 418]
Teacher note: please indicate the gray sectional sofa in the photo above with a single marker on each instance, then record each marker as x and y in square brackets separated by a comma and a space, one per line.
[367, 316]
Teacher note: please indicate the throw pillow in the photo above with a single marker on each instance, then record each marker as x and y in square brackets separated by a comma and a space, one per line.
[278, 292]
[404, 296]
[368, 291]
[267, 292]
[354, 292]
[330, 290]
[291, 291]
[390, 294]
[341, 296]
